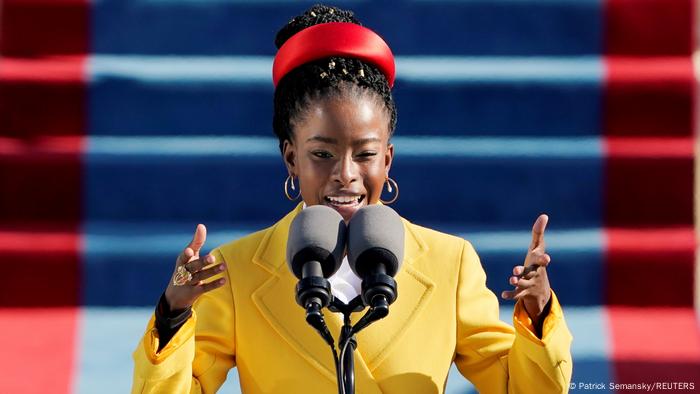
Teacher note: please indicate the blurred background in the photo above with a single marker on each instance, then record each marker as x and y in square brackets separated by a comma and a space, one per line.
[124, 123]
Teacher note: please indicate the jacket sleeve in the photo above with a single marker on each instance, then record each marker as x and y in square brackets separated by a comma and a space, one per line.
[199, 356]
[498, 358]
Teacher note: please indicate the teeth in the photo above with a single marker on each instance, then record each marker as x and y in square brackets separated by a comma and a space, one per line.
[343, 199]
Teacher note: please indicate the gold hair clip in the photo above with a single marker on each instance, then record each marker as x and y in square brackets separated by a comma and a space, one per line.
[345, 71]
[313, 14]
[362, 73]
[331, 65]
[331, 11]
[323, 74]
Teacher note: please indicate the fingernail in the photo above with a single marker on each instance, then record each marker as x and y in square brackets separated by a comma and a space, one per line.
[222, 267]
[221, 281]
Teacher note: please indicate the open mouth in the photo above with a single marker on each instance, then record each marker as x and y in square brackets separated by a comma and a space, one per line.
[344, 201]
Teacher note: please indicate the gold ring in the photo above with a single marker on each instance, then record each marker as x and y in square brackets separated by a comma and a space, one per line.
[182, 276]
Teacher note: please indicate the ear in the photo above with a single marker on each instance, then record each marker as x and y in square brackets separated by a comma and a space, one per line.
[388, 158]
[289, 156]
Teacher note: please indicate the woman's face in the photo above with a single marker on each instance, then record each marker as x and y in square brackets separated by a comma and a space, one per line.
[341, 153]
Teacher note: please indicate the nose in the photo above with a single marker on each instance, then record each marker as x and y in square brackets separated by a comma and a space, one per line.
[345, 171]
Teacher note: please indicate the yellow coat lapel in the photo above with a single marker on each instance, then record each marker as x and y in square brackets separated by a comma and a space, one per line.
[275, 300]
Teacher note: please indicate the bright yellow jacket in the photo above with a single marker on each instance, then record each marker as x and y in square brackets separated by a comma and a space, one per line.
[444, 313]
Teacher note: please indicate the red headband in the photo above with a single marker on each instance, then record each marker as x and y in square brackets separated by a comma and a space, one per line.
[334, 39]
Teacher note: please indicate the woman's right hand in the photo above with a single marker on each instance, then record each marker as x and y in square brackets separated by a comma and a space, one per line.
[183, 296]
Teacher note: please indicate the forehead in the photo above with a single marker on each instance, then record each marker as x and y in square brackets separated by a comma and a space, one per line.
[343, 119]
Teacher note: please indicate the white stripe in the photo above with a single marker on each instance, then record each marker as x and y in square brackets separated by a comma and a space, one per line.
[503, 147]
[585, 69]
[258, 69]
[192, 69]
[111, 238]
[529, 2]
[243, 2]
[557, 241]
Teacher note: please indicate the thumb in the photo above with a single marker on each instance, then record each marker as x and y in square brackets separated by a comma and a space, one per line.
[200, 236]
[538, 232]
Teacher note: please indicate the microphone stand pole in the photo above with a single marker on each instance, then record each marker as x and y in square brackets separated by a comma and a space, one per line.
[347, 342]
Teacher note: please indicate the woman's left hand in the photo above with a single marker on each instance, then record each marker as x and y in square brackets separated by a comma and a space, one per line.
[530, 279]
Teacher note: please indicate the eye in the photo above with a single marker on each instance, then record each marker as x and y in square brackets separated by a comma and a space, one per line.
[322, 154]
[367, 154]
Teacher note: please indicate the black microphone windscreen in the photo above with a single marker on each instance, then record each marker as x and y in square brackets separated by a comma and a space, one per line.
[375, 235]
[317, 233]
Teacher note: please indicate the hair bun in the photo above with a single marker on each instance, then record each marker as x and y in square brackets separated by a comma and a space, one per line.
[315, 15]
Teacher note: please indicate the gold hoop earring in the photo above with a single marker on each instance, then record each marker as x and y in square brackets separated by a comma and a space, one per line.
[389, 181]
[286, 187]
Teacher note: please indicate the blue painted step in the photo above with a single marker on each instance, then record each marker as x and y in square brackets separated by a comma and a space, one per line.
[130, 264]
[467, 27]
[446, 96]
[471, 181]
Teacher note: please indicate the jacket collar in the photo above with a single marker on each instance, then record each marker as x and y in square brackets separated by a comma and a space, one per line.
[275, 300]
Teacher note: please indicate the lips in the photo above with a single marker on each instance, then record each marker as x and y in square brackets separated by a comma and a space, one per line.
[345, 204]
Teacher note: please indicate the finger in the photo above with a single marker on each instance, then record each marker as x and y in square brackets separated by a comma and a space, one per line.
[199, 264]
[514, 294]
[525, 284]
[508, 295]
[529, 271]
[538, 232]
[518, 269]
[207, 273]
[205, 287]
[185, 256]
[514, 280]
[520, 294]
[200, 236]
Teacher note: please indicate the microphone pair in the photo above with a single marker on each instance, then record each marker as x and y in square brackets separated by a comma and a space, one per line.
[318, 239]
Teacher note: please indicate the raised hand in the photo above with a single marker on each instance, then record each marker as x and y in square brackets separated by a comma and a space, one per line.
[191, 272]
[530, 279]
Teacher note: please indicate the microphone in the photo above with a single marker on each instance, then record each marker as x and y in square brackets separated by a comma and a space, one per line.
[375, 253]
[315, 247]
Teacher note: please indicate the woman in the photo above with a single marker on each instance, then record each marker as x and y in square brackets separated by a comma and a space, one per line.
[235, 307]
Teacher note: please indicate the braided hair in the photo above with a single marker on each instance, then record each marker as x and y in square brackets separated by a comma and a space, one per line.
[325, 78]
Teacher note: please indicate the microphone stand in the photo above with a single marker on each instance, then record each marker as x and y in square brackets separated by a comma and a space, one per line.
[312, 290]
[346, 373]
[347, 342]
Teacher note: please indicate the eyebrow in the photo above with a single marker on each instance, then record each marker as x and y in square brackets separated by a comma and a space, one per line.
[334, 141]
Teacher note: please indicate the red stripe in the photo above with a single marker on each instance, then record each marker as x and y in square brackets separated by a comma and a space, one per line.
[649, 96]
[57, 69]
[69, 145]
[649, 27]
[650, 147]
[655, 344]
[32, 240]
[651, 240]
[38, 347]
